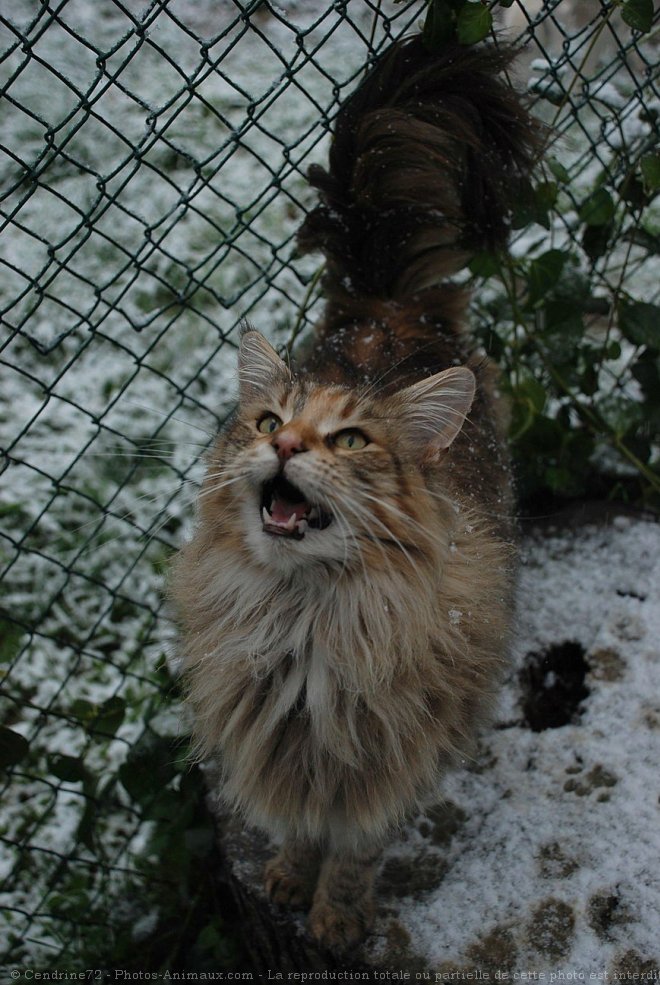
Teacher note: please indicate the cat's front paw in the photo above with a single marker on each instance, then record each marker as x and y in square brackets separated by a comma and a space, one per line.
[288, 886]
[339, 927]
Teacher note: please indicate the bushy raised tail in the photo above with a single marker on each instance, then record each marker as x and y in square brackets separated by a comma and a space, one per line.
[426, 158]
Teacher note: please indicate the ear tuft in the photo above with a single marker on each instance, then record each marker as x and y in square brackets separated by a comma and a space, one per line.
[435, 409]
[259, 367]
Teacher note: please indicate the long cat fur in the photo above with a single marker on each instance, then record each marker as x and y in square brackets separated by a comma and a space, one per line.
[335, 684]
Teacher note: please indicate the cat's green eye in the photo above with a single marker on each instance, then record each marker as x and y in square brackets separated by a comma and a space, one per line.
[351, 439]
[268, 423]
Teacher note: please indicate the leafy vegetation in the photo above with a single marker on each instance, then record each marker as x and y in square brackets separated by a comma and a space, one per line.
[567, 314]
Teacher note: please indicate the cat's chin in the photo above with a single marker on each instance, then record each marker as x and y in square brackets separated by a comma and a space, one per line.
[286, 511]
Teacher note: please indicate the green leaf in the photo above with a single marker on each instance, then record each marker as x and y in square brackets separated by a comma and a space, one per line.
[13, 748]
[544, 272]
[633, 191]
[149, 767]
[621, 413]
[646, 370]
[563, 312]
[596, 239]
[546, 195]
[640, 322]
[528, 401]
[439, 25]
[650, 165]
[506, 3]
[100, 720]
[473, 23]
[532, 391]
[109, 717]
[11, 640]
[638, 14]
[71, 769]
[559, 478]
[83, 710]
[598, 209]
[558, 170]
[484, 265]
[532, 204]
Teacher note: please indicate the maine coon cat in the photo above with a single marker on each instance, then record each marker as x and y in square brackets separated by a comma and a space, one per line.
[345, 601]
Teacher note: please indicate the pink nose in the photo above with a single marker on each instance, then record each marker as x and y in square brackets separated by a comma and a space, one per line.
[286, 444]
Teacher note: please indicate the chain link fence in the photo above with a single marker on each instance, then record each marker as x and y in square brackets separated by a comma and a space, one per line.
[152, 181]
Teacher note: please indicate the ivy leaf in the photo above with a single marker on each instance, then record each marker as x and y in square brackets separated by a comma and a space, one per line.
[13, 748]
[646, 371]
[633, 191]
[100, 720]
[640, 322]
[596, 240]
[598, 209]
[148, 768]
[558, 170]
[562, 327]
[473, 23]
[532, 204]
[439, 24]
[529, 399]
[532, 391]
[83, 710]
[544, 272]
[109, 717]
[71, 769]
[650, 165]
[484, 265]
[506, 3]
[638, 14]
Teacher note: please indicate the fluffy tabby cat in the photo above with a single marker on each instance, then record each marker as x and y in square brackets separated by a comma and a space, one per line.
[346, 598]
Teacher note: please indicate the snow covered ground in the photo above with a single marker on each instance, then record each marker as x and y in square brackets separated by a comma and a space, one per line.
[544, 854]
[152, 179]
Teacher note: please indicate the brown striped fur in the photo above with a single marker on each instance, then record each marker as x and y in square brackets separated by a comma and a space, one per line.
[337, 675]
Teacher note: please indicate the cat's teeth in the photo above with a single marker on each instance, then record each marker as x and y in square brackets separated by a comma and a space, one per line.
[291, 522]
[313, 513]
[265, 515]
[302, 526]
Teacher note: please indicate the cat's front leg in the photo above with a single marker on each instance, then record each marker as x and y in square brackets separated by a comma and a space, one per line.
[343, 907]
[291, 875]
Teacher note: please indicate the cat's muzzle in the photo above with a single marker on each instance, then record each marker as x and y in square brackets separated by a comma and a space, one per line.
[286, 512]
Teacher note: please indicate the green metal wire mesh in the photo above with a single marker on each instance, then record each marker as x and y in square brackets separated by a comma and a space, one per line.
[152, 179]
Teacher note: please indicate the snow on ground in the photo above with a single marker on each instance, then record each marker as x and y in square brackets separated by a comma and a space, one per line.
[548, 844]
[150, 185]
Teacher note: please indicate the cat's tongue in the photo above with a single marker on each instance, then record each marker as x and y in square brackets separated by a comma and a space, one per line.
[281, 510]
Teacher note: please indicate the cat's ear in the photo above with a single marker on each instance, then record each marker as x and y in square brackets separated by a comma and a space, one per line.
[260, 369]
[435, 409]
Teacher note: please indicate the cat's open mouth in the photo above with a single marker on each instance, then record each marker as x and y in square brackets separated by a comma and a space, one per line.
[286, 512]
